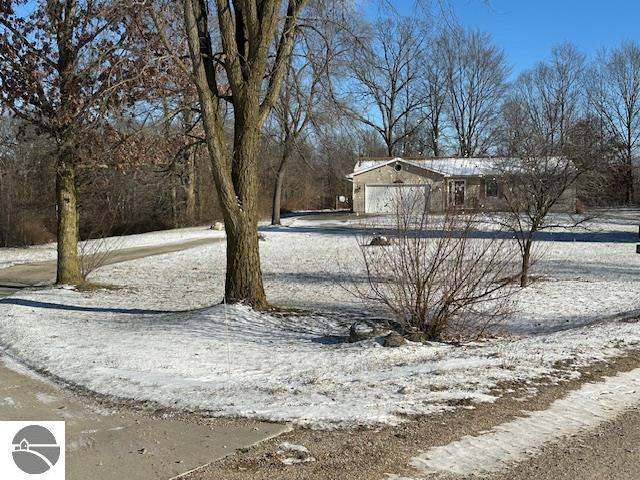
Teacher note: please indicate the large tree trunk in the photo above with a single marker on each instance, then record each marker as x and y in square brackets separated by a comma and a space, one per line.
[68, 271]
[246, 43]
[244, 273]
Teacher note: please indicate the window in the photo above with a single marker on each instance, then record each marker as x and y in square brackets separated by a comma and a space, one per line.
[492, 187]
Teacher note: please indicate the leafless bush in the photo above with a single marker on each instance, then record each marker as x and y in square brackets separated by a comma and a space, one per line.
[435, 277]
[32, 232]
[96, 253]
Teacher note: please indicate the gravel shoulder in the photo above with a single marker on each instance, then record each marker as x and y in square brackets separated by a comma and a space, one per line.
[359, 454]
[611, 451]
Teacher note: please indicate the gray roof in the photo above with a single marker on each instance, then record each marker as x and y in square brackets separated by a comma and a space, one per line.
[448, 167]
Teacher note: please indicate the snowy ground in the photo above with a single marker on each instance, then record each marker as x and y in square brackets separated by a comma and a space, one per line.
[43, 253]
[516, 441]
[140, 342]
[597, 220]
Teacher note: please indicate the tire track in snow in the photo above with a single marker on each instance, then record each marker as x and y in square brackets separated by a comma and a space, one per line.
[515, 441]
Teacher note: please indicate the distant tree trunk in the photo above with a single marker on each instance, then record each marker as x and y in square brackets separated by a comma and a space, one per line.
[435, 141]
[630, 193]
[190, 186]
[68, 270]
[174, 204]
[277, 191]
[188, 177]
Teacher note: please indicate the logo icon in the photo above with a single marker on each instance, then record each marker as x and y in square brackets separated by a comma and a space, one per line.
[35, 450]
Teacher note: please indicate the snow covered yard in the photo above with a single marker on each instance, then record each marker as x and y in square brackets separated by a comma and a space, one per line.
[159, 339]
[47, 252]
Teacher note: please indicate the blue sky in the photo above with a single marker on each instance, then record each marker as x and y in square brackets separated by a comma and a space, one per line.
[526, 29]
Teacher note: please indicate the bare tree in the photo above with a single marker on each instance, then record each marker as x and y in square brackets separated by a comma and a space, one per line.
[383, 75]
[445, 286]
[244, 71]
[63, 64]
[514, 135]
[435, 93]
[300, 103]
[615, 94]
[534, 185]
[552, 96]
[476, 84]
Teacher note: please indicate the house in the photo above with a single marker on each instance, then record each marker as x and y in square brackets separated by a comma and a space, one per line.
[454, 182]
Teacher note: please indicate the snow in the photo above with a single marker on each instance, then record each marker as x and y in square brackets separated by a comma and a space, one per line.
[448, 166]
[292, 454]
[47, 252]
[7, 402]
[159, 339]
[515, 441]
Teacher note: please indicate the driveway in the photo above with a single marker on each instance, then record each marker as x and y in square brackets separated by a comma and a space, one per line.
[108, 439]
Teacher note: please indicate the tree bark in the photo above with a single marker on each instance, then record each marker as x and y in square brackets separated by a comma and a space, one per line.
[244, 273]
[630, 194]
[277, 191]
[68, 268]
[190, 187]
[526, 262]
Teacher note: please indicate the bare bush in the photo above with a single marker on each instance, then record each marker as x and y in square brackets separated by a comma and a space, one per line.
[435, 277]
[98, 252]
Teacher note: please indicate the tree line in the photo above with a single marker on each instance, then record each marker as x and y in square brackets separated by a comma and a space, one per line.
[125, 116]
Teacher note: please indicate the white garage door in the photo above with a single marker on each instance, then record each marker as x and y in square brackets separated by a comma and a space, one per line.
[384, 198]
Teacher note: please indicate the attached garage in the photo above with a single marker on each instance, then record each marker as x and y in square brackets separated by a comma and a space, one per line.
[384, 198]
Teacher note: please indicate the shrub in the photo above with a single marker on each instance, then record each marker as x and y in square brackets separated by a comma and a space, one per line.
[434, 277]
[32, 232]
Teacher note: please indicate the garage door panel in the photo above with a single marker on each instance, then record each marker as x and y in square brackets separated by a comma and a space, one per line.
[384, 198]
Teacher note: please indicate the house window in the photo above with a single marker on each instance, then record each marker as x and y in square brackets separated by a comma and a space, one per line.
[492, 188]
